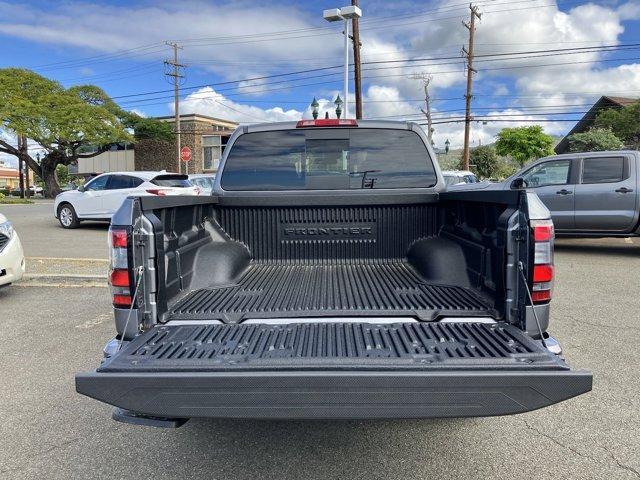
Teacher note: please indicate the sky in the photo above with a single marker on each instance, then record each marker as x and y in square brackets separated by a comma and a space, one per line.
[538, 61]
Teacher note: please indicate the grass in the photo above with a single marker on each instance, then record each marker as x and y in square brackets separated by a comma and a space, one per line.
[15, 201]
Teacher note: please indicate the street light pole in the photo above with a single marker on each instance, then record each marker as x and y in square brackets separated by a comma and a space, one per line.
[345, 13]
[346, 68]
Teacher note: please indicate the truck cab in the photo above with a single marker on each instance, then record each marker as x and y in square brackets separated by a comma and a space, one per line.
[592, 194]
[331, 276]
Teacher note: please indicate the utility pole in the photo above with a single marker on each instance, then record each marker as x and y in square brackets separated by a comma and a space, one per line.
[174, 77]
[22, 148]
[356, 61]
[426, 80]
[468, 54]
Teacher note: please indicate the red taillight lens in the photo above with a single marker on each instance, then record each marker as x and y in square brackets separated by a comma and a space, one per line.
[542, 273]
[158, 191]
[119, 278]
[120, 300]
[541, 296]
[543, 232]
[118, 238]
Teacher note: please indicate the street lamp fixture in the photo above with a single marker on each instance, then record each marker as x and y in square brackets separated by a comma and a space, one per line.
[338, 103]
[334, 15]
[446, 146]
[314, 108]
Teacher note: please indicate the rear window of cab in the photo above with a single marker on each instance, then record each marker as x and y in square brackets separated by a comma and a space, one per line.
[328, 159]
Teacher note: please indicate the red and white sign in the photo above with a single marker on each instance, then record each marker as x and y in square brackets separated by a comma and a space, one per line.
[185, 154]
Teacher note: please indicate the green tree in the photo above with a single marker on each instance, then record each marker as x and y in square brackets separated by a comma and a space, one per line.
[485, 160]
[150, 128]
[623, 122]
[69, 124]
[594, 140]
[524, 143]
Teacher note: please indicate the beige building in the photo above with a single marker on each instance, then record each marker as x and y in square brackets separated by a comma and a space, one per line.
[205, 136]
[117, 160]
[10, 178]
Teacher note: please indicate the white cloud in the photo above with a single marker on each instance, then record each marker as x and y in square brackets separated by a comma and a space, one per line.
[206, 101]
[110, 28]
[521, 26]
[5, 158]
[629, 10]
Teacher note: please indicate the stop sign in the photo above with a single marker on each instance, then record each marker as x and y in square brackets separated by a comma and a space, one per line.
[185, 154]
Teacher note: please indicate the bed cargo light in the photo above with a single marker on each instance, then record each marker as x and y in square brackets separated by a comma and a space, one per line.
[119, 278]
[543, 271]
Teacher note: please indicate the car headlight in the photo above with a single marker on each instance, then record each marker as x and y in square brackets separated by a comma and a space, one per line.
[6, 229]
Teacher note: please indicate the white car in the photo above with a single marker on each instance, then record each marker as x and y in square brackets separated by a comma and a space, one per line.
[11, 253]
[204, 181]
[101, 197]
[458, 177]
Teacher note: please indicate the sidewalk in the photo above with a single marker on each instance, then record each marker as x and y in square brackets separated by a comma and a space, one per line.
[65, 272]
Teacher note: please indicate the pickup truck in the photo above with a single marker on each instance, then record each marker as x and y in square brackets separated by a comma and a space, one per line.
[330, 276]
[593, 194]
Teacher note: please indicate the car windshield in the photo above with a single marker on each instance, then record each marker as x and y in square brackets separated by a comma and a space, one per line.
[171, 181]
[470, 178]
[452, 179]
[328, 159]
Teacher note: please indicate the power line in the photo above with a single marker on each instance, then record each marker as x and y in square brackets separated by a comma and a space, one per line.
[286, 34]
[312, 70]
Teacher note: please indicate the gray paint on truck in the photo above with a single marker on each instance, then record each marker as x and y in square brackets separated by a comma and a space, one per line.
[309, 255]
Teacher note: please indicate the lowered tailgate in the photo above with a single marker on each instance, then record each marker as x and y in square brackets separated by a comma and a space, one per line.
[333, 370]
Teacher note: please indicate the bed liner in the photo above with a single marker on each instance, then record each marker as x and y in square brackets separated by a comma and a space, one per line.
[293, 290]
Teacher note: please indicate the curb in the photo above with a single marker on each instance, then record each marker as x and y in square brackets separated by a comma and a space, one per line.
[63, 280]
[68, 259]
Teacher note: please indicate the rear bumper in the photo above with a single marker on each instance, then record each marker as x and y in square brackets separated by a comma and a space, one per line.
[333, 394]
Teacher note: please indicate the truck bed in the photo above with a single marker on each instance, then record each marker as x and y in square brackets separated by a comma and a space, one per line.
[393, 288]
[412, 257]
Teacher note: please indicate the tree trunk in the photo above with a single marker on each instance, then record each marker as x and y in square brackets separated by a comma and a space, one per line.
[51, 186]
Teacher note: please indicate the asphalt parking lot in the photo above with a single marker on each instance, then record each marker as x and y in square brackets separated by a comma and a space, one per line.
[49, 333]
[42, 236]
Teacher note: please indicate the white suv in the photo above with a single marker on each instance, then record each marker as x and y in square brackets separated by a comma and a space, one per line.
[100, 198]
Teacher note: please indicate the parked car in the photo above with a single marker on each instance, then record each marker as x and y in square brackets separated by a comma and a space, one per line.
[11, 253]
[324, 281]
[102, 196]
[591, 194]
[204, 181]
[457, 177]
[33, 189]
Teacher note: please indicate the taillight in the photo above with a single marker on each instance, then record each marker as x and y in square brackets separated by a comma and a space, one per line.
[119, 272]
[159, 191]
[119, 277]
[121, 301]
[543, 271]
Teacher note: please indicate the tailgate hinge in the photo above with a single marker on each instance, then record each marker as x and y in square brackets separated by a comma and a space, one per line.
[521, 234]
